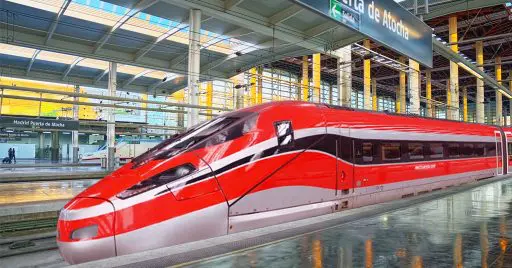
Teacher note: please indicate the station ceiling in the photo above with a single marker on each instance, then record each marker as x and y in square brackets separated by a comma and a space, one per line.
[71, 41]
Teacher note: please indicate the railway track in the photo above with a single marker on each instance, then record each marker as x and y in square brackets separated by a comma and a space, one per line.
[27, 244]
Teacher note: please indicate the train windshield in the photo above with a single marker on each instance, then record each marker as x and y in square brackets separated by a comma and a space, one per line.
[193, 136]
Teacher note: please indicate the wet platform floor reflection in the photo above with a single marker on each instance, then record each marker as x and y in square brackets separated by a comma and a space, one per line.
[468, 229]
[13, 193]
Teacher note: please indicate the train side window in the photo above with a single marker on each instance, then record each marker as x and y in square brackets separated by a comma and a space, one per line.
[453, 150]
[467, 150]
[491, 149]
[480, 149]
[415, 151]
[436, 151]
[391, 151]
[367, 152]
[284, 133]
[346, 149]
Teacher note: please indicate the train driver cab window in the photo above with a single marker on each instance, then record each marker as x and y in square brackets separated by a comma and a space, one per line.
[453, 150]
[415, 151]
[391, 151]
[284, 133]
[436, 151]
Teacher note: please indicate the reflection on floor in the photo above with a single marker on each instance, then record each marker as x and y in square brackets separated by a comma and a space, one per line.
[468, 229]
[38, 170]
[11, 193]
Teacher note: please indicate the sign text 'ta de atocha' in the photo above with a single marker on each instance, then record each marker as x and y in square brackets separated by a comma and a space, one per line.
[383, 21]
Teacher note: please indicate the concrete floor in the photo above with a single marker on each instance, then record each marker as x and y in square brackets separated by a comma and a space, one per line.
[13, 193]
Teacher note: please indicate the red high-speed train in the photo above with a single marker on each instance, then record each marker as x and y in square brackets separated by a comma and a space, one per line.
[269, 164]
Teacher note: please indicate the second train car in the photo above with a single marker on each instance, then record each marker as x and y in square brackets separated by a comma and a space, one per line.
[270, 164]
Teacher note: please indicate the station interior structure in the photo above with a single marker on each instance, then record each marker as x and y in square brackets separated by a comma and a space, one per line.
[141, 71]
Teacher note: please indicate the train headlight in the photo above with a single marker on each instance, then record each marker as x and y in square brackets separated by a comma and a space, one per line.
[158, 180]
[85, 232]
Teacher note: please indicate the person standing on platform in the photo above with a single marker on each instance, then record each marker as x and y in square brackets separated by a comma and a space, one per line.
[14, 155]
[9, 154]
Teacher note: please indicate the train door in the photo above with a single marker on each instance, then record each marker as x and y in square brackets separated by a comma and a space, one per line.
[344, 163]
[508, 150]
[499, 153]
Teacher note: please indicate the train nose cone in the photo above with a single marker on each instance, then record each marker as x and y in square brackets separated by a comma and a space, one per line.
[85, 230]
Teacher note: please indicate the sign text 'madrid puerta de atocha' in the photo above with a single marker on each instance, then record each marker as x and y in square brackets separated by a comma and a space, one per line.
[27, 122]
[384, 21]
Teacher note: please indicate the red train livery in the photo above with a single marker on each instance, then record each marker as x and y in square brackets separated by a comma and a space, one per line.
[269, 164]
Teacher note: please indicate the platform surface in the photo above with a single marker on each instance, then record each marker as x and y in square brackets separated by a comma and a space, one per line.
[461, 226]
[29, 192]
[468, 229]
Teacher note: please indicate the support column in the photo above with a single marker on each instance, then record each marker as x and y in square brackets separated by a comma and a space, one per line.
[74, 133]
[305, 79]
[414, 86]
[454, 69]
[367, 99]
[41, 145]
[252, 95]
[448, 100]
[180, 97]
[55, 146]
[317, 64]
[209, 98]
[480, 110]
[465, 103]
[344, 75]
[194, 53]
[374, 94]
[401, 96]
[111, 119]
[260, 85]
[499, 98]
[428, 88]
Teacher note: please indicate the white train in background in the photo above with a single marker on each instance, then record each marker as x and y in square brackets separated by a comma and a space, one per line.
[125, 150]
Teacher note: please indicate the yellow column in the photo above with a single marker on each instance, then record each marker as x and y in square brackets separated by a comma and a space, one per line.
[144, 105]
[209, 98]
[367, 99]
[480, 111]
[260, 85]
[454, 69]
[448, 100]
[403, 103]
[305, 79]
[374, 94]
[253, 96]
[457, 252]
[428, 87]
[317, 64]
[499, 99]
[397, 100]
[465, 103]
[180, 97]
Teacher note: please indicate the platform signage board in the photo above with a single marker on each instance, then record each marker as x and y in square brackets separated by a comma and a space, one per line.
[43, 123]
[384, 21]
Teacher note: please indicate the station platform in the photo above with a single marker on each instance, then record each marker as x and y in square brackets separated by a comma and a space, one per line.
[50, 173]
[468, 225]
[31, 194]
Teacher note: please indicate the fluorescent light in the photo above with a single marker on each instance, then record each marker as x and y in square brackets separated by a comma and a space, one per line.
[465, 67]
[505, 93]
[46, 132]
[66, 133]
[9, 131]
